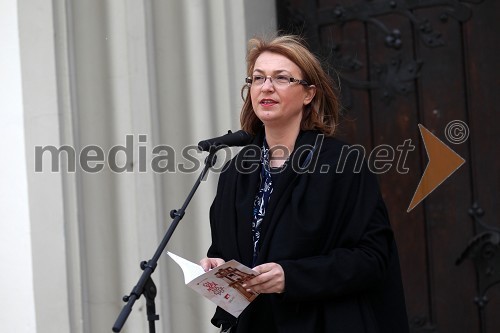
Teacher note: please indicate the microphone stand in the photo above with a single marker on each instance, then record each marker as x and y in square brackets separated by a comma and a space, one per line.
[145, 286]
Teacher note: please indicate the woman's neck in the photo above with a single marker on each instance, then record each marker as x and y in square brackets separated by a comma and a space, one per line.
[281, 143]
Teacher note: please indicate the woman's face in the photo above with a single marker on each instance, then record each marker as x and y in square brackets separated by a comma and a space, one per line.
[279, 105]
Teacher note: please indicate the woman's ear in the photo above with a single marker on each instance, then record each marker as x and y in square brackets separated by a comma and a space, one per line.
[310, 93]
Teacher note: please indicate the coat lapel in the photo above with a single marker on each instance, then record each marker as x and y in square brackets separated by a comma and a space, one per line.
[247, 183]
[282, 190]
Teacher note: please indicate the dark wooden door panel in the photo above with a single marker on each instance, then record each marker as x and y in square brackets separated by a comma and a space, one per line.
[404, 62]
[442, 99]
[481, 39]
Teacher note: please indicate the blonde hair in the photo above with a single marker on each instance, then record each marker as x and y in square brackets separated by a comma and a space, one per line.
[322, 113]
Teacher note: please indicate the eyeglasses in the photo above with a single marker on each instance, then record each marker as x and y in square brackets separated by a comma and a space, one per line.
[277, 81]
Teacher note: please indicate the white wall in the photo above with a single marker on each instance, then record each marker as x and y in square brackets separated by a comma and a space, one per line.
[17, 311]
[94, 72]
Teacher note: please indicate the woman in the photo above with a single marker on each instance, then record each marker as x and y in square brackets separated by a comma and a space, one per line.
[318, 235]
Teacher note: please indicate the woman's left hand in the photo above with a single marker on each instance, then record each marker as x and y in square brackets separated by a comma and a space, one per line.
[271, 279]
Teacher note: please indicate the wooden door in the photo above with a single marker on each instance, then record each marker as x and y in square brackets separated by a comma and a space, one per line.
[400, 63]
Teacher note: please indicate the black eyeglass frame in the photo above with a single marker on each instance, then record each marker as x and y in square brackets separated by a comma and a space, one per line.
[249, 80]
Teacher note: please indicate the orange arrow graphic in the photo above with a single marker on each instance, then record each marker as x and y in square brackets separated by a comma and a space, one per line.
[443, 161]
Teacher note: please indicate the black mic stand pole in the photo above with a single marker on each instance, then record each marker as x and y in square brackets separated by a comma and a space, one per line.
[145, 286]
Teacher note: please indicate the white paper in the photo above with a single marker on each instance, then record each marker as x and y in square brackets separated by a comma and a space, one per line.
[190, 269]
[222, 285]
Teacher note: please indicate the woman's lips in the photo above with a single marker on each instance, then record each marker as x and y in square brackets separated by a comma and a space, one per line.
[268, 102]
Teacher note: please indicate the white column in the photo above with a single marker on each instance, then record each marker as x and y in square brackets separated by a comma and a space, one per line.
[260, 18]
[17, 310]
[45, 189]
[94, 72]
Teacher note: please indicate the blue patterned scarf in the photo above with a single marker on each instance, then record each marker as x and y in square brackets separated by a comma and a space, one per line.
[261, 200]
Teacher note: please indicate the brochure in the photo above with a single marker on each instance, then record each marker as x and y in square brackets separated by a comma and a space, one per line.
[222, 285]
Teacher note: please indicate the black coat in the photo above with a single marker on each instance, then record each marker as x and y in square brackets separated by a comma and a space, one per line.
[330, 232]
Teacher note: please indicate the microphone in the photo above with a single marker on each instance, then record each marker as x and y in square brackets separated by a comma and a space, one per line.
[238, 138]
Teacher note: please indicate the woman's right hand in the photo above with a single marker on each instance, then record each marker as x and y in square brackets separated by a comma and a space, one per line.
[210, 263]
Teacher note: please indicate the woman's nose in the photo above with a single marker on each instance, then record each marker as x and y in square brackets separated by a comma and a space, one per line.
[268, 84]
